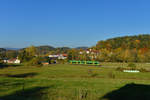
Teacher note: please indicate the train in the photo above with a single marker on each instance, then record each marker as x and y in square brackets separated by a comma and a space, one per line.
[96, 63]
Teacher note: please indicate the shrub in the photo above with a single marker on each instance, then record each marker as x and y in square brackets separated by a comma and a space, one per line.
[119, 69]
[62, 61]
[53, 61]
[132, 65]
[143, 70]
[94, 74]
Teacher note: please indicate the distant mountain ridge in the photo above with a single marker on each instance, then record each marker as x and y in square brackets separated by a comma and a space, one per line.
[84, 47]
[12, 48]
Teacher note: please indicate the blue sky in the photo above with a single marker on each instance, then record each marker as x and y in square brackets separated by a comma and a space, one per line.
[70, 22]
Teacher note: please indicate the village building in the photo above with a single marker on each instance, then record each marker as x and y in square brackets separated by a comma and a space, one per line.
[53, 56]
[59, 56]
[93, 54]
[62, 56]
[45, 63]
[12, 61]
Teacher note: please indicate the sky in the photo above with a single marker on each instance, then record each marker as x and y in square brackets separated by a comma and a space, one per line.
[70, 23]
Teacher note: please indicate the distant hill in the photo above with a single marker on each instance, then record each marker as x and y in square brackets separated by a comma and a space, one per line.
[12, 48]
[62, 50]
[130, 42]
[44, 49]
[84, 48]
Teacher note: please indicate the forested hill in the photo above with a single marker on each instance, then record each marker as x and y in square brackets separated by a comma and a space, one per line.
[127, 42]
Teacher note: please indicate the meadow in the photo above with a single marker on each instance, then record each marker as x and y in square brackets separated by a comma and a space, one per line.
[74, 82]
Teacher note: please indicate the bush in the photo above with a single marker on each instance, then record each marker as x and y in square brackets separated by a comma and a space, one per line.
[119, 68]
[94, 74]
[143, 70]
[53, 62]
[62, 61]
[132, 65]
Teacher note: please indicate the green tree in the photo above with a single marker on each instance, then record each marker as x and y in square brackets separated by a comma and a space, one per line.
[27, 54]
[73, 54]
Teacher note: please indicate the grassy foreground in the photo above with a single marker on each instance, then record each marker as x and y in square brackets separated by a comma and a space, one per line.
[73, 82]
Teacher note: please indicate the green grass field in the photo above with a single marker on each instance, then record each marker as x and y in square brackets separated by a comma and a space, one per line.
[74, 82]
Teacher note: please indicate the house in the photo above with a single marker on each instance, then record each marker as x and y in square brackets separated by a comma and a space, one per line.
[90, 52]
[58, 56]
[62, 56]
[87, 52]
[12, 61]
[53, 56]
[5, 60]
[17, 61]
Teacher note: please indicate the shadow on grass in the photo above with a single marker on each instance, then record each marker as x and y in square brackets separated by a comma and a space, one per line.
[6, 83]
[129, 92]
[24, 75]
[8, 65]
[35, 93]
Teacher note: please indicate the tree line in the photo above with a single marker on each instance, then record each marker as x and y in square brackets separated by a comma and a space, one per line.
[120, 49]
